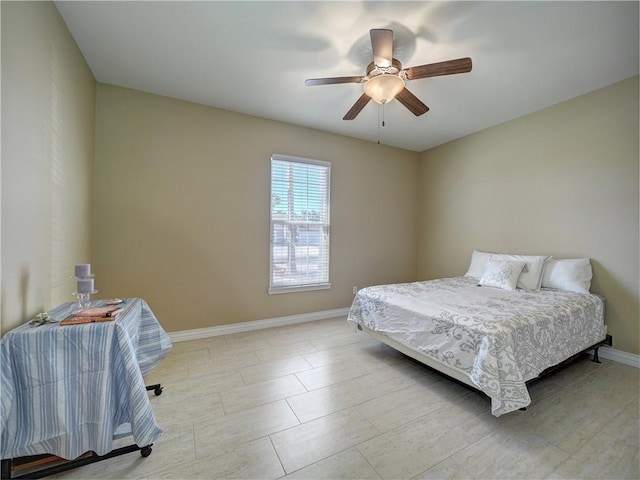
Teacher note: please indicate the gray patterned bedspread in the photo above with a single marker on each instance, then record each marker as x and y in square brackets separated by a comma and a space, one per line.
[499, 339]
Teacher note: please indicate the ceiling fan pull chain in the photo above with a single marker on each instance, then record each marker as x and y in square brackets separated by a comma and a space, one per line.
[378, 122]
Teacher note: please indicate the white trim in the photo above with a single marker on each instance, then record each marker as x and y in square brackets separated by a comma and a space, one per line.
[256, 325]
[291, 158]
[303, 288]
[325, 213]
[620, 356]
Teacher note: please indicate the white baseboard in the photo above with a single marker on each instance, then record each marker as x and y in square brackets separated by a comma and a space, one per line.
[620, 356]
[605, 352]
[255, 325]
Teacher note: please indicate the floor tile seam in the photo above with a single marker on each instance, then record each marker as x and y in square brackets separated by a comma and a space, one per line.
[194, 376]
[442, 410]
[293, 342]
[349, 446]
[251, 406]
[267, 380]
[413, 420]
[413, 382]
[344, 407]
[585, 375]
[553, 393]
[331, 384]
[294, 412]
[574, 380]
[600, 430]
[317, 390]
[334, 412]
[184, 355]
[357, 405]
[599, 434]
[367, 460]
[455, 453]
[329, 456]
[471, 475]
[173, 465]
[326, 414]
[155, 473]
[262, 403]
[282, 358]
[572, 455]
[244, 380]
[402, 390]
[226, 450]
[275, 450]
[219, 358]
[300, 380]
[326, 364]
[216, 356]
[320, 348]
[603, 366]
[544, 440]
[192, 373]
[167, 403]
[229, 417]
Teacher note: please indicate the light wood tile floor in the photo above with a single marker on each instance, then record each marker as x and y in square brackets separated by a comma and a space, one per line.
[318, 400]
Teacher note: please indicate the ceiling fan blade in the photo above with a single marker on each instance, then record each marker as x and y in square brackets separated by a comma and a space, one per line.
[382, 44]
[357, 107]
[413, 103]
[331, 81]
[449, 67]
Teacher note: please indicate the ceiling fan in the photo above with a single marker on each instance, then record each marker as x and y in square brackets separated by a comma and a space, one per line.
[385, 78]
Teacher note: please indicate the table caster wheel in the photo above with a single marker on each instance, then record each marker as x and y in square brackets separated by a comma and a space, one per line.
[158, 391]
[145, 451]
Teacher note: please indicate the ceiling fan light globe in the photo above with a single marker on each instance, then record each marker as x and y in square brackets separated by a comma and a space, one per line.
[383, 88]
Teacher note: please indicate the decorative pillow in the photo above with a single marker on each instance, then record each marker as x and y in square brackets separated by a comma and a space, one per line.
[531, 277]
[501, 274]
[572, 275]
[478, 262]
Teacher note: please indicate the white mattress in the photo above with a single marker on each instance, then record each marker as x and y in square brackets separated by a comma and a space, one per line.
[496, 338]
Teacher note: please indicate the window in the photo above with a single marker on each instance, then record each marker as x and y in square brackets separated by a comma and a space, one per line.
[299, 224]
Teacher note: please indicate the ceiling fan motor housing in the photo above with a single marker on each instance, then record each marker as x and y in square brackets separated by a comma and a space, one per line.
[374, 70]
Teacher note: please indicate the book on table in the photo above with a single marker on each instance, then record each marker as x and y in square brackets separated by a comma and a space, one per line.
[93, 315]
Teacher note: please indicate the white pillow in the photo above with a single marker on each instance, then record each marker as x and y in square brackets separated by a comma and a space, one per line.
[531, 277]
[501, 274]
[478, 262]
[572, 275]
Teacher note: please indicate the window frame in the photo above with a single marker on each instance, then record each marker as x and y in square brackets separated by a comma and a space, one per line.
[325, 284]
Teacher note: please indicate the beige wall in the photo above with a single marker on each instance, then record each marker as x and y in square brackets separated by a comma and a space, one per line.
[182, 210]
[48, 119]
[562, 181]
[182, 194]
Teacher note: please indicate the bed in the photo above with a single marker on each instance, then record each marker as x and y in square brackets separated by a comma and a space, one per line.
[493, 339]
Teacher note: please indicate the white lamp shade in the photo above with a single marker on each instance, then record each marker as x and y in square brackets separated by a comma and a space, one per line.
[383, 88]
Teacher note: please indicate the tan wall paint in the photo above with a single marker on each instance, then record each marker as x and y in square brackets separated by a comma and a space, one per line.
[182, 210]
[48, 120]
[562, 181]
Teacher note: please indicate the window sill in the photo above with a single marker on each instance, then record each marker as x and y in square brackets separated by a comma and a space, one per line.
[304, 288]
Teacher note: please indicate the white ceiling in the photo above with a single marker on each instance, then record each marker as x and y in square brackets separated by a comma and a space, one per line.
[253, 57]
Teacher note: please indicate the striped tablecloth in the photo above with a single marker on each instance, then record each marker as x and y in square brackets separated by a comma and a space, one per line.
[67, 390]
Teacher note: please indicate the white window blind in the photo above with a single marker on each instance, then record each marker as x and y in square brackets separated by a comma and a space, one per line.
[299, 224]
